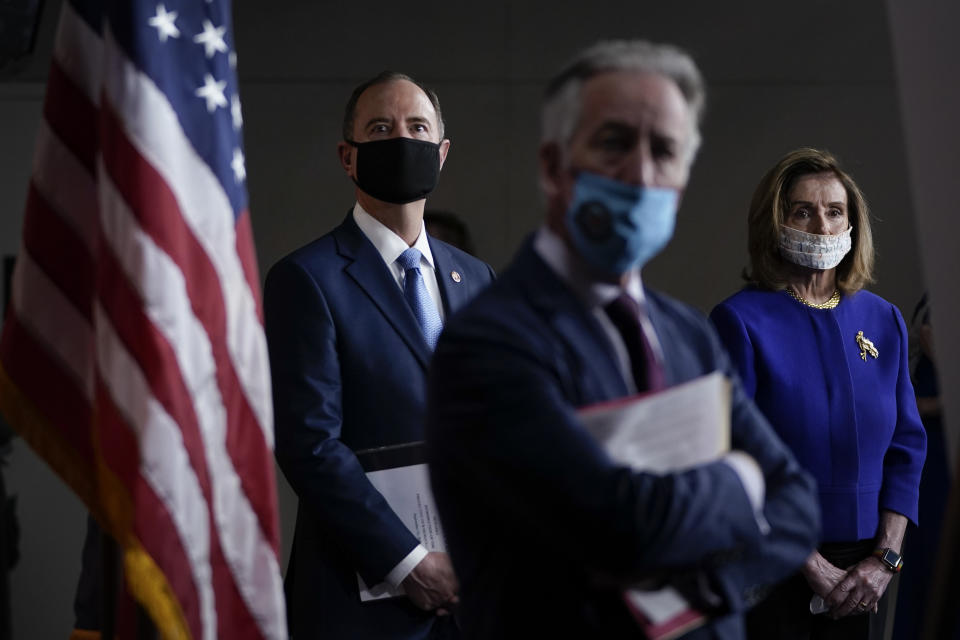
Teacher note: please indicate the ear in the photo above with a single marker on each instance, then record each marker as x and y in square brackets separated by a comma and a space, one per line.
[444, 149]
[347, 155]
[551, 166]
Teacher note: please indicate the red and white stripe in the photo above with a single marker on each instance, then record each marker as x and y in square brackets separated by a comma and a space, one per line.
[164, 463]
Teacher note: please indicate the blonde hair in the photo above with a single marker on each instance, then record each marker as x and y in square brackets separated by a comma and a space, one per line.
[768, 209]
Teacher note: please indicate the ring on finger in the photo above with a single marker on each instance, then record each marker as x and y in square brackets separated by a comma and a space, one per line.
[862, 604]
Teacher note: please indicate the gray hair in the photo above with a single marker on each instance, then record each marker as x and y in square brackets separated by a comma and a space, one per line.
[561, 101]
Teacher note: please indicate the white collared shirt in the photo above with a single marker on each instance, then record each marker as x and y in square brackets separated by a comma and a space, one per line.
[389, 245]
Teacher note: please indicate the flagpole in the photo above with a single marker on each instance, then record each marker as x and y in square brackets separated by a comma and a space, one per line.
[112, 576]
[146, 629]
[109, 577]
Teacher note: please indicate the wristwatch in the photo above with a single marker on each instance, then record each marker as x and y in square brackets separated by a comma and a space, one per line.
[890, 559]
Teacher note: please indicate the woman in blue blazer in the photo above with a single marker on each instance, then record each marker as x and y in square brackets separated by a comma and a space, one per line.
[827, 363]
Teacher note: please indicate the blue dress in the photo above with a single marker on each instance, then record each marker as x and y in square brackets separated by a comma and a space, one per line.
[849, 417]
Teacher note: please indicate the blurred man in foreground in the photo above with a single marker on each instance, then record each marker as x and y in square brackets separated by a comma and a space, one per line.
[545, 530]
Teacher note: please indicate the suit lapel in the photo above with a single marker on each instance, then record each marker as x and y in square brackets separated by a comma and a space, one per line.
[365, 266]
[600, 377]
[584, 336]
[450, 278]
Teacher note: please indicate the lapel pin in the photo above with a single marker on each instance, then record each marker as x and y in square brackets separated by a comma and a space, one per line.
[866, 346]
[455, 275]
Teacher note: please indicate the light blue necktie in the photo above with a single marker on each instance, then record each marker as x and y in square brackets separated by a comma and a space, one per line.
[415, 291]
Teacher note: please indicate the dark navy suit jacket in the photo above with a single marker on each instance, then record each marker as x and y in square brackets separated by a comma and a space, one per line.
[544, 529]
[349, 362]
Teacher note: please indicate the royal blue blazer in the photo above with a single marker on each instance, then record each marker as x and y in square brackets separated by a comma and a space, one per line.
[850, 418]
[543, 527]
[349, 363]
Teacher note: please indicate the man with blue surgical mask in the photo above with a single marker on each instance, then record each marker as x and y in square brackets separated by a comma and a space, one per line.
[568, 325]
[613, 181]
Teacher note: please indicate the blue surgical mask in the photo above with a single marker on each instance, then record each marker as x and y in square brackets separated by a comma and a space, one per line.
[617, 226]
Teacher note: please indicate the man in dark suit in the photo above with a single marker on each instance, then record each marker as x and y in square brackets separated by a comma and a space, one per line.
[545, 530]
[351, 321]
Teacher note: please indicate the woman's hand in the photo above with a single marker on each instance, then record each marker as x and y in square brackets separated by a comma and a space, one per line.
[822, 576]
[860, 589]
[866, 582]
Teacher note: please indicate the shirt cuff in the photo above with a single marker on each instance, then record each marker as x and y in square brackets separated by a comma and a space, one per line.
[751, 477]
[405, 566]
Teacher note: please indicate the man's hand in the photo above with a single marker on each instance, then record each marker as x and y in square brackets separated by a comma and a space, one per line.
[432, 584]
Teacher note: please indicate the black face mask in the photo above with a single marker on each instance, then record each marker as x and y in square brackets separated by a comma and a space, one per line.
[397, 170]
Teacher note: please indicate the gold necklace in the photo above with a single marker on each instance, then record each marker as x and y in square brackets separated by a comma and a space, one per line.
[829, 304]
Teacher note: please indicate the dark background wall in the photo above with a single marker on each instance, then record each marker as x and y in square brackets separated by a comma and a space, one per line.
[778, 79]
[779, 75]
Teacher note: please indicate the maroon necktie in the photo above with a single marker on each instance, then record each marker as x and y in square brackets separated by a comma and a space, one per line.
[624, 312]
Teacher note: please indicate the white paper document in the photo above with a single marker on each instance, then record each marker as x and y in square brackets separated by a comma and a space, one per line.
[675, 429]
[681, 427]
[407, 491]
[660, 606]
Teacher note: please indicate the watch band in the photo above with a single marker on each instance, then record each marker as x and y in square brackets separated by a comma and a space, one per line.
[890, 559]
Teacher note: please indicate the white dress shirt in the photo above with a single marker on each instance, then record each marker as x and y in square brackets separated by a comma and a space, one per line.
[389, 245]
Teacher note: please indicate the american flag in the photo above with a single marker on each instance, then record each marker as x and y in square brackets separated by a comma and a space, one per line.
[133, 356]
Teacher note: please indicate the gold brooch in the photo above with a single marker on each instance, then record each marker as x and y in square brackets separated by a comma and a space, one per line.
[866, 346]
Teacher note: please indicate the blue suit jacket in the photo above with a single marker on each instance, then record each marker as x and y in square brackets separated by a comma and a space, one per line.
[543, 527]
[349, 364]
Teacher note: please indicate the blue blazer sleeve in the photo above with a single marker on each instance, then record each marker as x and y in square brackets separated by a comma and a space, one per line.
[903, 461]
[324, 472]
